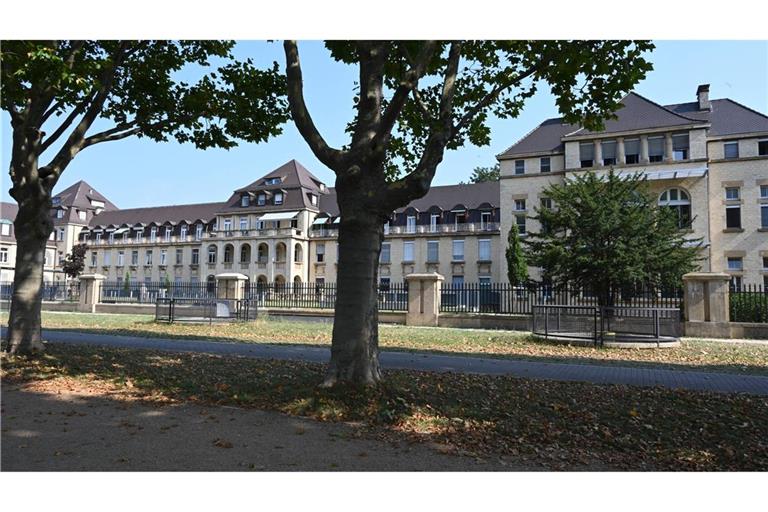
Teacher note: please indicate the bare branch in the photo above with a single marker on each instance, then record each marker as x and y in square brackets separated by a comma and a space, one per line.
[120, 131]
[68, 121]
[329, 156]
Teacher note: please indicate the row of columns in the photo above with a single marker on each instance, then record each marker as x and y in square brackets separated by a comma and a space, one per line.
[644, 156]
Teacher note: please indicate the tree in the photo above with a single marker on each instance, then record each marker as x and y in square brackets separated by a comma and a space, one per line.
[482, 174]
[74, 262]
[127, 284]
[415, 99]
[607, 232]
[517, 267]
[65, 96]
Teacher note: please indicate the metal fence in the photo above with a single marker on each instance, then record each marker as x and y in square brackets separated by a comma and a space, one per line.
[602, 323]
[391, 296]
[748, 303]
[148, 292]
[170, 309]
[52, 292]
[508, 299]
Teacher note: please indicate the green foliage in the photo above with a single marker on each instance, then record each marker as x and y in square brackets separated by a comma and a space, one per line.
[607, 232]
[74, 262]
[517, 267]
[127, 283]
[483, 174]
[167, 282]
[749, 307]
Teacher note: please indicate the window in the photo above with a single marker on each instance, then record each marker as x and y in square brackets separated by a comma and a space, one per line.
[763, 191]
[519, 166]
[229, 253]
[320, 253]
[546, 203]
[195, 256]
[545, 165]
[632, 151]
[609, 152]
[680, 146]
[735, 263]
[164, 257]
[313, 199]
[278, 198]
[139, 235]
[460, 217]
[732, 193]
[458, 250]
[59, 214]
[586, 154]
[134, 257]
[765, 262]
[211, 254]
[384, 283]
[168, 233]
[199, 232]
[179, 256]
[433, 251]
[457, 281]
[484, 250]
[227, 224]
[764, 216]
[385, 255]
[61, 235]
[762, 147]
[485, 220]
[5, 229]
[736, 282]
[733, 217]
[81, 214]
[655, 149]
[245, 200]
[434, 220]
[243, 223]
[148, 257]
[520, 205]
[272, 181]
[152, 235]
[386, 228]
[261, 199]
[4, 255]
[408, 252]
[110, 237]
[679, 202]
[107, 258]
[93, 259]
[120, 258]
[731, 150]
[183, 232]
[520, 221]
[410, 224]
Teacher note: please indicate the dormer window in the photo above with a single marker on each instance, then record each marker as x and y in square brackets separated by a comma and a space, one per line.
[245, 200]
[59, 214]
[587, 154]
[81, 214]
[261, 199]
[278, 198]
[272, 181]
[313, 199]
[680, 146]
[97, 204]
[56, 201]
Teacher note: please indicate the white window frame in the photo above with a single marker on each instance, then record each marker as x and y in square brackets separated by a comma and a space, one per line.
[153, 234]
[183, 231]
[4, 255]
[243, 223]
[199, 232]
[455, 254]
[736, 259]
[107, 258]
[245, 201]
[148, 257]
[388, 252]
[433, 247]
[278, 199]
[433, 218]
[410, 224]
[409, 252]
[483, 245]
[120, 258]
[163, 256]
[261, 199]
[738, 193]
[228, 224]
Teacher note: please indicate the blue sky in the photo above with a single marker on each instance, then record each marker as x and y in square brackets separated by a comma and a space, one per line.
[134, 173]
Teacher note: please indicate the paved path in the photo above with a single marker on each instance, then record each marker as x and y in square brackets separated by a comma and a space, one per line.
[608, 374]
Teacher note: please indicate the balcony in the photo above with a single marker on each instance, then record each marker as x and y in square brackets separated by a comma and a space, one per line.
[469, 227]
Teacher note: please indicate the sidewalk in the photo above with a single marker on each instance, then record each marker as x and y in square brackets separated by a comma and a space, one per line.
[598, 374]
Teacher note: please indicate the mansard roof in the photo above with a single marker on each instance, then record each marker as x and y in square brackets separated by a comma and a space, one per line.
[158, 214]
[79, 196]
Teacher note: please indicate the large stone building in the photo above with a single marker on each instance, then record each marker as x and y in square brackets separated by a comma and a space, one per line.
[707, 159]
[8, 213]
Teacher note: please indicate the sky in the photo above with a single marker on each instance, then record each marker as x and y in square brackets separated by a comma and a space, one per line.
[137, 172]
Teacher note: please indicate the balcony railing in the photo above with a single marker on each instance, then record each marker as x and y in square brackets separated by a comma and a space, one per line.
[469, 227]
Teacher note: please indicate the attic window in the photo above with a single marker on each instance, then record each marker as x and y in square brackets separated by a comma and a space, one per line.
[97, 204]
[261, 199]
[81, 214]
[272, 181]
[59, 214]
[313, 199]
[278, 198]
[245, 200]
[56, 201]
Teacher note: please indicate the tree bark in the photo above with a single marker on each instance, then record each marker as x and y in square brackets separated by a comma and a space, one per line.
[355, 345]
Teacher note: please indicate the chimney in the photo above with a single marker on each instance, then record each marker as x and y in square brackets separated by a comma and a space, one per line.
[702, 94]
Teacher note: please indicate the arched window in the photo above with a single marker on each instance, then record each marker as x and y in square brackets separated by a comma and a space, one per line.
[263, 253]
[678, 201]
[245, 253]
[298, 255]
[229, 253]
[212, 254]
[210, 283]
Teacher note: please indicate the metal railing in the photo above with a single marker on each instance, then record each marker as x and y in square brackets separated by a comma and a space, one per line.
[391, 296]
[170, 309]
[149, 292]
[748, 303]
[51, 292]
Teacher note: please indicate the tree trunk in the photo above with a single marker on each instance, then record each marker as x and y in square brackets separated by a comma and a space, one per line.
[355, 346]
[32, 226]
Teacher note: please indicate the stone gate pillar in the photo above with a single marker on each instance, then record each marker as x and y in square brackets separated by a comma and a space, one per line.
[706, 303]
[424, 299]
[230, 285]
[90, 292]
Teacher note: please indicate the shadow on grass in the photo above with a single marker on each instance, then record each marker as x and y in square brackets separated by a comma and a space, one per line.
[732, 368]
[543, 424]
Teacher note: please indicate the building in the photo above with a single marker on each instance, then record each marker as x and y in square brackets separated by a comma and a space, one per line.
[8, 213]
[707, 159]
[283, 228]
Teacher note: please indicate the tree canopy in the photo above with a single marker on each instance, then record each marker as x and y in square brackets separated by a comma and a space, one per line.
[74, 262]
[517, 267]
[483, 174]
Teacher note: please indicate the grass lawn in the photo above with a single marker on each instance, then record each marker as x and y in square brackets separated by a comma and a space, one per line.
[552, 425]
[691, 355]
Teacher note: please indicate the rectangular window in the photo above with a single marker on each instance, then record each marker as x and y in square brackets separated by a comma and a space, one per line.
[545, 164]
[655, 149]
[261, 199]
[546, 203]
[183, 232]
[386, 228]
[485, 220]
[164, 257]
[731, 150]
[459, 218]
[120, 258]
[278, 198]
[148, 257]
[763, 191]
[408, 252]
[732, 193]
[179, 256]
[4, 255]
[410, 224]
[680, 146]
[139, 235]
[320, 253]
[484, 250]
[735, 263]
[245, 200]
[764, 216]
[134, 257]
[195, 256]
[227, 224]
[168, 233]
[243, 223]
[107, 258]
[59, 214]
[98, 238]
[632, 151]
[458, 250]
[762, 148]
[736, 282]
[199, 232]
[384, 283]
[93, 259]
[313, 199]
[520, 205]
[587, 154]
[385, 255]
[733, 217]
[457, 281]
[519, 166]
[765, 262]
[61, 235]
[5, 229]
[434, 219]
[110, 237]
[81, 214]
[152, 235]
[433, 251]
[520, 220]
[609, 152]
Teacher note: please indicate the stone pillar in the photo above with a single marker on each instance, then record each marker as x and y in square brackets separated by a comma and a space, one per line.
[706, 304]
[90, 292]
[668, 155]
[644, 159]
[621, 156]
[598, 154]
[424, 299]
[230, 285]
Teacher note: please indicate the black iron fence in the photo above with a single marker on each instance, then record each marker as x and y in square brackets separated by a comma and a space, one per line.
[148, 292]
[749, 303]
[508, 299]
[52, 292]
[171, 309]
[392, 296]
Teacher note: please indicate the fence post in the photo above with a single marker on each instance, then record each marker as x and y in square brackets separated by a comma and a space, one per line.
[90, 294]
[424, 299]
[706, 304]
